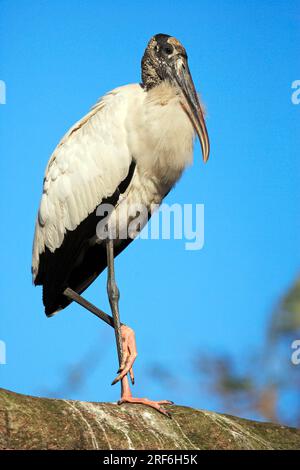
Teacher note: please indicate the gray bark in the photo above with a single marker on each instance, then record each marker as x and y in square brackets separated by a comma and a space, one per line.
[41, 423]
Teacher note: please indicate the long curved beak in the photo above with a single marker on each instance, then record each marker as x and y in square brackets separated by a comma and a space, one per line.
[190, 102]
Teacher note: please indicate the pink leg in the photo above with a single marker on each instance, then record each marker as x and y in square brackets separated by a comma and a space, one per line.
[129, 356]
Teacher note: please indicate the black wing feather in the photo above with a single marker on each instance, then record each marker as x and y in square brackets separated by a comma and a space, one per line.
[76, 263]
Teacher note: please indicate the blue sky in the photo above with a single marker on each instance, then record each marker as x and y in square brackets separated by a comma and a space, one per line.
[56, 59]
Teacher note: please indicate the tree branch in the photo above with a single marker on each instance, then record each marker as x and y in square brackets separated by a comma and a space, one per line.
[42, 423]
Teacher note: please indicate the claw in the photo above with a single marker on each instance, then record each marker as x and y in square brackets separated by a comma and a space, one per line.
[116, 380]
[166, 413]
[166, 402]
[131, 376]
[129, 354]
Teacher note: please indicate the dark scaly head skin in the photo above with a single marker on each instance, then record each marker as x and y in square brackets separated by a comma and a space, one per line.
[158, 57]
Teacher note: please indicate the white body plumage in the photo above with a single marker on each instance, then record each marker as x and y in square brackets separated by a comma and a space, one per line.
[92, 159]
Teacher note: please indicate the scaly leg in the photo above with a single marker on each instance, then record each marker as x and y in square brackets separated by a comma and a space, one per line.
[125, 339]
[114, 296]
[128, 345]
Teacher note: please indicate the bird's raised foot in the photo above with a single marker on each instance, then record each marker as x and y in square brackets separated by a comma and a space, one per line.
[129, 354]
[145, 401]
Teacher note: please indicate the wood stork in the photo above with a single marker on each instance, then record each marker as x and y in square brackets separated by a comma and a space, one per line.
[132, 146]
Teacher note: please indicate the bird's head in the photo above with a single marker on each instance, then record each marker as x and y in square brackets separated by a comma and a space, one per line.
[165, 58]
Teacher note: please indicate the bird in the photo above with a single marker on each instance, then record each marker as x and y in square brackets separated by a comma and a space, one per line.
[130, 149]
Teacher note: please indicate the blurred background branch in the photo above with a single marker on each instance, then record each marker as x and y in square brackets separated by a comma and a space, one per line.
[267, 377]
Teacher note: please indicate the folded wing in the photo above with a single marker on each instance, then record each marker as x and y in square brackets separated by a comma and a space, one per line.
[86, 168]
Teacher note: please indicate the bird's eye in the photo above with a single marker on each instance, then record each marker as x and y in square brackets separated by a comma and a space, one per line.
[168, 50]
